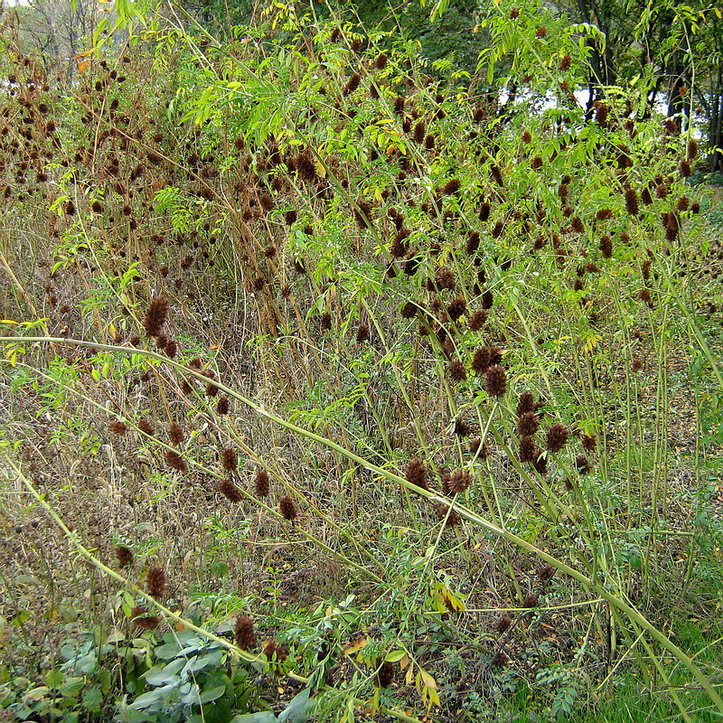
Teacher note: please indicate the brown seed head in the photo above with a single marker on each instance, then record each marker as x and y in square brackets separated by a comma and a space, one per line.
[528, 424]
[229, 490]
[416, 473]
[458, 482]
[175, 434]
[123, 555]
[557, 437]
[244, 633]
[288, 508]
[229, 459]
[496, 381]
[156, 316]
[175, 461]
[156, 582]
[262, 483]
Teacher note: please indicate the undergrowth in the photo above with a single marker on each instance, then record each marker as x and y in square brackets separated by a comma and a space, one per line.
[332, 390]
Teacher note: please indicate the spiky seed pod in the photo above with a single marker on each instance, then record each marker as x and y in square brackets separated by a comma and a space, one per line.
[577, 225]
[528, 424]
[498, 229]
[273, 651]
[528, 451]
[385, 674]
[683, 203]
[486, 357]
[645, 196]
[692, 149]
[695, 207]
[229, 490]
[451, 187]
[536, 163]
[117, 427]
[531, 600]
[381, 61]
[146, 427]
[156, 582]
[565, 62]
[124, 556]
[399, 105]
[631, 201]
[477, 448]
[457, 372]
[503, 624]
[288, 508]
[229, 459]
[416, 473]
[499, 659]
[487, 299]
[352, 84]
[244, 633]
[685, 169]
[589, 442]
[606, 247]
[484, 211]
[453, 520]
[171, 348]
[223, 405]
[262, 483]
[175, 461]
[496, 381]
[496, 173]
[582, 464]
[473, 241]
[156, 315]
[461, 428]
[362, 333]
[541, 32]
[546, 572]
[557, 437]
[444, 279]
[644, 295]
[458, 482]
[420, 130]
[409, 310]
[143, 620]
[526, 137]
[456, 308]
[603, 213]
[175, 434]
[514, 13]
[478, 320]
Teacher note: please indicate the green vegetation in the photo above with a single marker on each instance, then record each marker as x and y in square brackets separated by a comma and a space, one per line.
[346, 379]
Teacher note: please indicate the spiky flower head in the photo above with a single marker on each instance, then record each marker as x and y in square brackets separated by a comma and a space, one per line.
[229, 490]
[156, 582]
[288, 508]
[496, 381]
[458, 482]
[124, 555]
[557, 437]
[244, 633]
[229, 459]
[528, 424]
[156, 316]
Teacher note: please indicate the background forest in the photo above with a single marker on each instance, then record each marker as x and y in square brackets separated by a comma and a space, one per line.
[361, 361]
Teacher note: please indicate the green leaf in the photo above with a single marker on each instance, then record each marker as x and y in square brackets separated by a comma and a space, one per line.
[165, 674]
[262, 717]
[299, 709]
[208, 695]
[71, 687]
